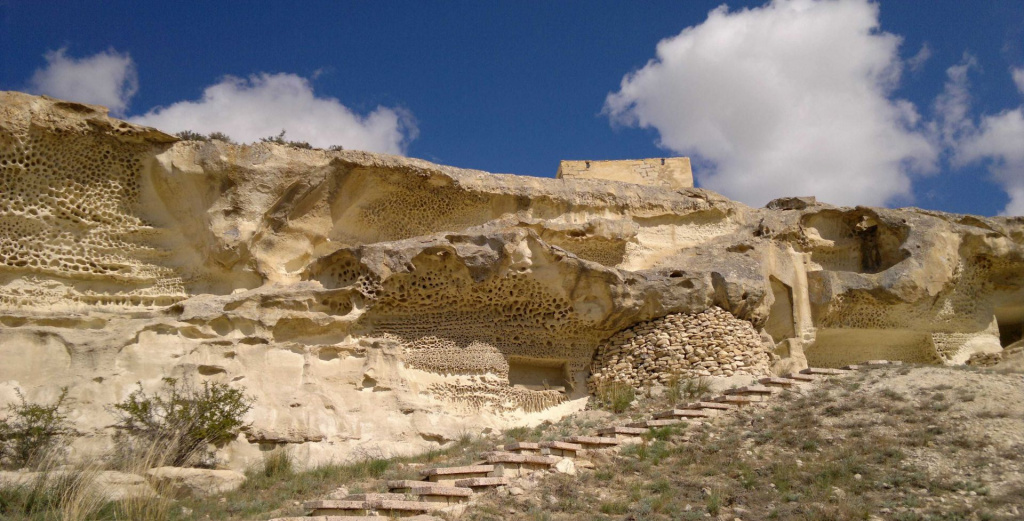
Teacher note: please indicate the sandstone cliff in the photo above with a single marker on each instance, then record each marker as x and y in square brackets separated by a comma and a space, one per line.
[379, 304]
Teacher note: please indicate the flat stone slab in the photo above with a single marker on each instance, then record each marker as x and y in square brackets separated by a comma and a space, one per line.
[493, 458]
[482, 482]
[335, 504]
[752, 389]
[683, 413]
[406, 483]
[561, 445]
[339, 518]
[405, 506]
[778, 381]
[650, 424]
[624, 431]
[376, 496]
[736, 399]
[420, 517]
[454, 471]
[826, 371]
[522, 445]
[593, 440]
[801, 377]
[711, 405]
[427, 489]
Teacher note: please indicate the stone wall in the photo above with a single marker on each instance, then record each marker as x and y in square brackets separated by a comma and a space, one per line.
[669, 172]
[710, 343]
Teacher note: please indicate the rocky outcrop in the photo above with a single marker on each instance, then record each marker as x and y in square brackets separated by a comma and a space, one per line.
[375, 305]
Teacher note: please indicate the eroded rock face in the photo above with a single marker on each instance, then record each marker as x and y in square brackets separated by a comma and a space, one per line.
[375, 305]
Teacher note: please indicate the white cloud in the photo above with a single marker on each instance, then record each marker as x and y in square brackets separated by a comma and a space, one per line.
[791, 98]
[107, 78]
[264, 104]
[997, 139]
[917, 61]
[953, 105]
[1018, 78]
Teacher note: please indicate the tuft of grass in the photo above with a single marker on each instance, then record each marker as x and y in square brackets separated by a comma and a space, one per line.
[713, 502]
[615, 396]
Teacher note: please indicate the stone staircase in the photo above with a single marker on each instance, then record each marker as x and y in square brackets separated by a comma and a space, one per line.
[444, 489]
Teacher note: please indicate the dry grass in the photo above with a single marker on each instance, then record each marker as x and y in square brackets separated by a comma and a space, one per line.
[877, 443]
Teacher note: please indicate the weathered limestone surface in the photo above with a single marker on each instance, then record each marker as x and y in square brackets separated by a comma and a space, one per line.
[665, 172]
[374, 304]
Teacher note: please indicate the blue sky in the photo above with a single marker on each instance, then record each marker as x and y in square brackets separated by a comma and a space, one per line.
[856, 102]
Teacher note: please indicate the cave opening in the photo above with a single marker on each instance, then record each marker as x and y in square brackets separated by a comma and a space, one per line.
[1010, 320]
[538, 374]
[781, 323]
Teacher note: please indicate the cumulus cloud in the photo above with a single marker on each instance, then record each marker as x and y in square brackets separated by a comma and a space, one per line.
[996, 139]
[953, 105]
[787, 99]
[1018, 78]
[265, 104]
[107, 78]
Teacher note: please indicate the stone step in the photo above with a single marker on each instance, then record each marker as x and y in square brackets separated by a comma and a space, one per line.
[425, 488]
[623, 432]
[448, 475]
[825, 371]
[376, 496]
[718, 406]
[560, 448]
[482, 482]
[871, 363]
[801, 377]
[737, 400]
[596, 441]
[420, 517]
[399, 484]
[338, 506]
[390, 507]
[441, 494]
[493, 458]
[683, 413]
[652, 424]
[523, 446]
[777, 381]
[752, 390]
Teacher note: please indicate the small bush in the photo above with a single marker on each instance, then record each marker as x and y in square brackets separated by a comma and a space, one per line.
[615, 396]
[280, 140]
[696, 387]
[184, 418]
[188, 135]
[30, 429]
[220, 136]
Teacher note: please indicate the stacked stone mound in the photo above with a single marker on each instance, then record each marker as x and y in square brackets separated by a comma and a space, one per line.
[710, 343]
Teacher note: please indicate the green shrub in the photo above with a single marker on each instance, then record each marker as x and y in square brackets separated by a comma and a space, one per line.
[183, 418]
[29, 429]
